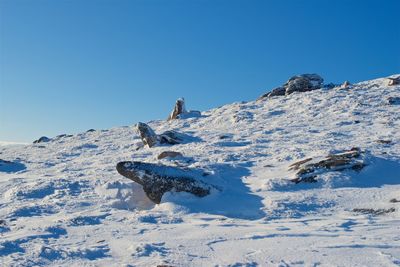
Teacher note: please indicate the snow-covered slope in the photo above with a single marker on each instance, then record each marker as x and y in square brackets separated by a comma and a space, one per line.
[66, 205]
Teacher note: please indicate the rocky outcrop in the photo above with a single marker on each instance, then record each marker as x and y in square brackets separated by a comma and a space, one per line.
[345, 85]
[179, 108]
[308, 169]
[393, 81]
[158, 179]
[170, 138]
[180, 112]
[147, 134]
[42, 139]
[298, 83]
[169, 154]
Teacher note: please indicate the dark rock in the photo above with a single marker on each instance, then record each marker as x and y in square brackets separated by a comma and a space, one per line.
[169, 154]
[90, 130]
[42, 139]
[179, 108]
[303, 83]
[307, 168]
[394, 200]
[171, 138]
[393, 100]
[381, 141]
[345, 85]
[393, 81]
[147, 134]
[158, 179]
[374, 211]
[298, 83]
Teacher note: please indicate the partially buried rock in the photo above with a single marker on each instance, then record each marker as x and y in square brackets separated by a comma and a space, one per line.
[170, 137]
[298, 83]
[308, 169]
[345, 85]
[158, 179]
[42, 139]
[393, 81]
[147, 134]
[180, 112]
[169, 154]
[179, 108]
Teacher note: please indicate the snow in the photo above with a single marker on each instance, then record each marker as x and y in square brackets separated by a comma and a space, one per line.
[68, 206]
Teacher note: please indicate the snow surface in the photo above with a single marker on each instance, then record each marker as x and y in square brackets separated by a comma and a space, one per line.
[68, 206]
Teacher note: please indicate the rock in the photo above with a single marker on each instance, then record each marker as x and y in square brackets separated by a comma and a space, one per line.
[158, 179]
[385, 142]
[298, 83]
[179, 108]
[393, 81]
[308, 169]
[393, 100]
[171, 138]
[90, 130]
[180, 112]
[147, 134]
[345, 85]
[169, 154]
[42, 139]
[303, 83]
[374, 211]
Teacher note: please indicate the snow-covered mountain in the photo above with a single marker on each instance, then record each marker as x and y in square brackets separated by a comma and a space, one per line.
[63, 203]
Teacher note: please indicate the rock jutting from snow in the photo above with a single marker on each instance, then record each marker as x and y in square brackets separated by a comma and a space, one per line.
[170, 138]
[393, 81]
[179, 108]
[42, 139]
[147, 134]
[180, 112]
[169, 154]
[345, 85]
[158, 179]
[298, 83]
[308, 169]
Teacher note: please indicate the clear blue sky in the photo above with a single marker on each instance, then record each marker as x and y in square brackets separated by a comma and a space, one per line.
[70, 65]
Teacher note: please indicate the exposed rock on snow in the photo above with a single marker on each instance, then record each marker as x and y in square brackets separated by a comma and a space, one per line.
[147, 134]
[308, 169]
[169, 154]
[171, 138]
[179, 108]
[393, 81]
[159, 179]
[42, 139]
[180, 112]
[345, 85]
[374, 211]
[298, 83]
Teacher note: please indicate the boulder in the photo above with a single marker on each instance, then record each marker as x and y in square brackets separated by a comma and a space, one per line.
[147, 134]
[345, 84]
[308, 169]
[169, 154]
[393, 81]
[298, 83]
[180, 112]
[170, 138]
[179, 108]
[42, 139]
[158, 179]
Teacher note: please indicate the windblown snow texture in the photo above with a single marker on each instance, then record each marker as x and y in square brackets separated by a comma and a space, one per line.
[62, 202]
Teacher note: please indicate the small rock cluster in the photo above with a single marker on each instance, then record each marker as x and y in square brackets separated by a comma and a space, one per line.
[298, 83]
[308, 169]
